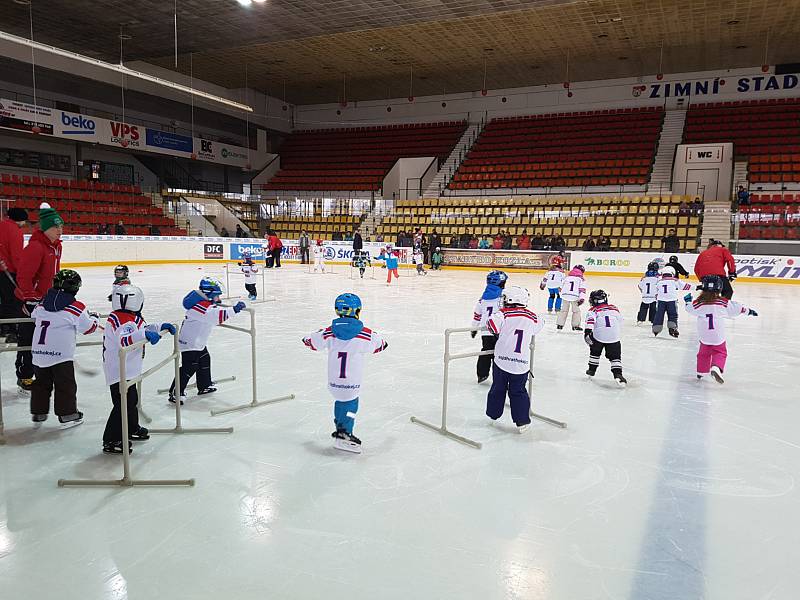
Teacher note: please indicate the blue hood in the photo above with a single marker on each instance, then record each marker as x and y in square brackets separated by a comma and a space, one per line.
[193, 298]
[56, 300]
[651, 274]
[492, 292]
[346, 328]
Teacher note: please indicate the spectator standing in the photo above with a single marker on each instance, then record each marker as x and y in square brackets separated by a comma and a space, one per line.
[743, 196]
[39, 262]
[672, 242]
[119, 228]
[239, 231]
[358, 242]
[305, 243]
[436, 240]
[224, 233]
[274, 247]
[11, 244]
[523, 241]
[717, 260]
[697, 206]
[588, 245]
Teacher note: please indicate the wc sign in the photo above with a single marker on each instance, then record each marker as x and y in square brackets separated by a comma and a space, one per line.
[704, 154]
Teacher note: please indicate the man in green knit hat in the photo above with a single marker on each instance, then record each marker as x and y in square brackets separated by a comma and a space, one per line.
[38, 265]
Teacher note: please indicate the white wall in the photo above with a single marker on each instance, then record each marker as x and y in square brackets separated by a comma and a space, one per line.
[586, 95]
[707, 165]
[406, 173]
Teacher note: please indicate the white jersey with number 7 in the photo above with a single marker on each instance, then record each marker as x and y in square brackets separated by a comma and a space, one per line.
[345, 359]
[711, 318]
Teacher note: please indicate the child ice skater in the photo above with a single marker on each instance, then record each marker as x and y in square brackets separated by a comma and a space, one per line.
[667, 301]
[249, 269]
[573, 292]
[202, 314]
[390, 259]
[120, 278]
[490, 302]
[361, 261]
[125, 326]
[552, 282]
[347, 340]
[711, 310]
[647, 286]
[319, 257]
[58, 319]
[603, 332]
[437, 258]
[514, 327]
[419, 260]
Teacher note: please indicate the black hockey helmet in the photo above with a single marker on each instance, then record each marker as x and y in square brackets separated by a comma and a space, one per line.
[68, 281]
[712, 283]
[121, 271]
[673, 259]
[598, 297]
[652, 266]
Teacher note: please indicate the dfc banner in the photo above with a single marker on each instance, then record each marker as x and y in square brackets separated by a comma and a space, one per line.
[500, 259]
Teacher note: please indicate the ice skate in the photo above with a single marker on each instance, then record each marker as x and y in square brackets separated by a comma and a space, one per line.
[346, 441]
[482, 378]
[209, 390]
[577, 328]
[140, 434]
[716, 373]
[116, 447]
[523, 428]
[25, 383]
[72, 420]
[674, 332]
[38, 420]
[251, 297]
[621, 381]
[590, 373]
[559, 327]
[549, 311]
[172, 399]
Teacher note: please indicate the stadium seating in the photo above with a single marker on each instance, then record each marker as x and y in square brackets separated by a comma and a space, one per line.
[770, 217]
[357, 158]
[596, 148]
[85, 205]
[632, 223]
[766, 132]
[317, 227]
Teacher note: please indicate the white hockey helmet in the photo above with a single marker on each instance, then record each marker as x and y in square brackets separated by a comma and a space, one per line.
[127, 297]
[668, 270]
[516, 295]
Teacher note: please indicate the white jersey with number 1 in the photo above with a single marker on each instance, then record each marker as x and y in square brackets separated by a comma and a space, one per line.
[605, 323]
[514, 328]
[345, 359]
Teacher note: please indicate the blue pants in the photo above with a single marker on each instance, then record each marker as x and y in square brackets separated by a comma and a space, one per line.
[344, 413]
[504, 382]
[555, 297]
[671, 310]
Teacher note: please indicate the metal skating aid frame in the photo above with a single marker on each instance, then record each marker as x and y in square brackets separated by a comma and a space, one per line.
[548, 420]
[127, 477]
[329, 268]
[264, 297]
[251, 331]
[369, 272]
[14, 348]
[194, 385]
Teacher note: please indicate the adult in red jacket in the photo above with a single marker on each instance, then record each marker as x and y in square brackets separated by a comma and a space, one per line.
[38, 265]
[274, 248]
[11, 243]
[717, 260]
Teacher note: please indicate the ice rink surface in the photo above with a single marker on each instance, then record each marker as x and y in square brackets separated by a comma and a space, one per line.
[669, 489]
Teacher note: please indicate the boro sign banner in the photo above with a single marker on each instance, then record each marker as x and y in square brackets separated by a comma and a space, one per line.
[500, 259]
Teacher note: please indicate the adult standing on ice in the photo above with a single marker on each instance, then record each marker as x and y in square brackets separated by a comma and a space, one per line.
[11, 243]
[715, 260]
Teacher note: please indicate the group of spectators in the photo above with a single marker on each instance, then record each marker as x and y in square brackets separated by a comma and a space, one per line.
[105, 229]
[601, 244]
[693, 208]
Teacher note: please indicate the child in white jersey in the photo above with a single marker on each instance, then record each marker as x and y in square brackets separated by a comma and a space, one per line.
[418, 257]
[490, 303]
[603, 332]
[121, 277]
[573, 291]
[667, 301]
[514, 325]
[552, 281]
[347, 341]
[202, 315]
[319, 257]
[711, 310]
[249, 269]
[58, 319]
[125, 326]
[648, 285]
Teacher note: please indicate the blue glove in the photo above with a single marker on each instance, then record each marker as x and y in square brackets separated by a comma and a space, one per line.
[751, 313]
[239, 307]
[168, 327]
[687, 298]
[152, 337]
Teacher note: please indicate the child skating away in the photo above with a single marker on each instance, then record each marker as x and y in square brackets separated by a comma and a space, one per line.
[58, 318]
[125, 326]
[514, 325]
[319, 257]
[552, 282]
[603, 331]
[347, 341]
[648, 285]
[203, 313]
[667, 301]
[490, 302]
[437, 258]
[249, 269]
[711, 310]
[390, 259]
[573, 292]
[120, 278]
[361, 261]
[419, 260]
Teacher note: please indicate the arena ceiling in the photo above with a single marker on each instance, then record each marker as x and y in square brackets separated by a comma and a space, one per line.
[304, 50]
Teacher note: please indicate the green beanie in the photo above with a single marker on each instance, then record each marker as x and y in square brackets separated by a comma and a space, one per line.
[48, 217]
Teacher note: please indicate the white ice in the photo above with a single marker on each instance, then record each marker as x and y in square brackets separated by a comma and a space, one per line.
[669, 489]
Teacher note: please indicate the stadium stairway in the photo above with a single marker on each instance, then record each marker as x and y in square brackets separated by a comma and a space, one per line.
[716, 222]
[671, 136]
[450, 166]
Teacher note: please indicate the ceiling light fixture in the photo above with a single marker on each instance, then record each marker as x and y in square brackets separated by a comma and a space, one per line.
[733, 22]
[14, 39]
[245, 2]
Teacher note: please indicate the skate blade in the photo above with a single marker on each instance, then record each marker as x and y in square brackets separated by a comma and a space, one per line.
[622, 384]
[717, 377]
[71, 424]
[523, 428]
[346, 446]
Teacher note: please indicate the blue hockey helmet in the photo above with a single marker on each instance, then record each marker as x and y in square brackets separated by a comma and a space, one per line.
[497, 278]
[712, 283]
[347, 305]
[211, 287]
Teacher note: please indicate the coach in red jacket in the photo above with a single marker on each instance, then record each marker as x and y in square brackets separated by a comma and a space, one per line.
[11, 243]
[38, 265]
[715, 260]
